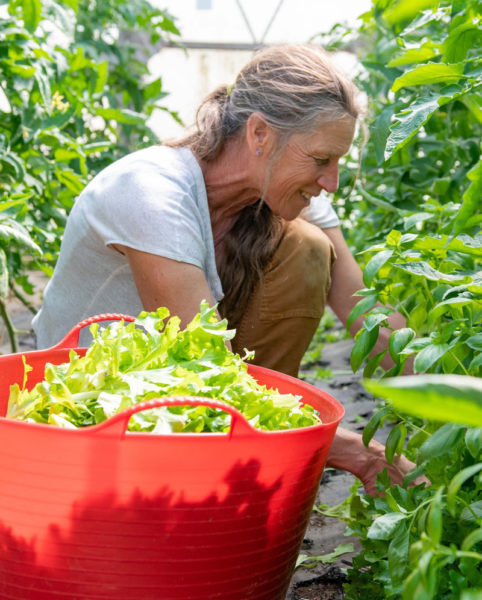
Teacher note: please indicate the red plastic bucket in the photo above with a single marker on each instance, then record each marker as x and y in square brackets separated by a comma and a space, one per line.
[98, 514]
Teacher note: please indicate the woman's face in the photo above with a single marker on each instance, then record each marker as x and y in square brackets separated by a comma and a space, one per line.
[308, 164]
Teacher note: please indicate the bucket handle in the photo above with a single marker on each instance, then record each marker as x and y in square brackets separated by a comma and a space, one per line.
[71, 340]
[117, 424]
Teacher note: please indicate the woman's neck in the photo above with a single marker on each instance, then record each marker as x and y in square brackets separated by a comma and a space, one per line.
[231, 185]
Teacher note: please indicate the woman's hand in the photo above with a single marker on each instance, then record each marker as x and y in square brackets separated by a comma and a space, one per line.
[349, 453]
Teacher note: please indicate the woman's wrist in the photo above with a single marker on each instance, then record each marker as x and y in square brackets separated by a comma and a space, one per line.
[349, 453]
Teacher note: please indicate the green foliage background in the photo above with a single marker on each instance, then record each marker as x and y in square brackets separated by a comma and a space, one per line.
[412, 194]
[73, 99]
[413, 213]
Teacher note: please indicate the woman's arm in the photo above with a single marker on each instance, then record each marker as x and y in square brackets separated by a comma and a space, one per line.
[161, 281]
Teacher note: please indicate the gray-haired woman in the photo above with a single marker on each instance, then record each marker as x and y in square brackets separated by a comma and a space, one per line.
[215, 216]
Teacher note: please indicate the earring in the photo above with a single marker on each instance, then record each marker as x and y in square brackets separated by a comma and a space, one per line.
[258, 151]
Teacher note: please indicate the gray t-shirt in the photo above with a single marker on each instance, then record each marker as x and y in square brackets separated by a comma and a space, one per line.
[153, 200]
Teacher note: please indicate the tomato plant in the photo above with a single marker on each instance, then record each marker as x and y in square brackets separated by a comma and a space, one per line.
[72, 100]
[419, 183]
[412, 190]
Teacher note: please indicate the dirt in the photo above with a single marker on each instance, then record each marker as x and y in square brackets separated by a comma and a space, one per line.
[324, 587]
[324, 581]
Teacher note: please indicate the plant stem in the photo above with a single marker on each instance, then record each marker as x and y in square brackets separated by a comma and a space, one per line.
[457, 360]
[24, 301]
[402, 310]
[9, 325]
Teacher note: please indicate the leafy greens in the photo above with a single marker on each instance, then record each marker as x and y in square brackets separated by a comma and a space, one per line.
[127, 363]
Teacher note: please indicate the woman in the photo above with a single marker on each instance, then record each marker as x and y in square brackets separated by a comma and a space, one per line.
[215, 216]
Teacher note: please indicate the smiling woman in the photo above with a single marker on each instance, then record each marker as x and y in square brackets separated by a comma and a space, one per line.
[215, 216]
[258, 139]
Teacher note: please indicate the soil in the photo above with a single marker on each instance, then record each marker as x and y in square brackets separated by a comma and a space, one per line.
[325, 581]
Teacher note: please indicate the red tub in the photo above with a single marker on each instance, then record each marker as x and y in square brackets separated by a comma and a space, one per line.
[101, 514]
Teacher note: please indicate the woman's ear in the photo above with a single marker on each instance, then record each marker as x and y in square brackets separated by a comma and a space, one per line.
[260, 136]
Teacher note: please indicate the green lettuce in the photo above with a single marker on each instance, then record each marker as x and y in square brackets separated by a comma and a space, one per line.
[127, 363]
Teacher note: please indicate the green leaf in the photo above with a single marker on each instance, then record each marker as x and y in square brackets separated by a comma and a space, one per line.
[376, 200]
[398, 340]
[360, 308]
[471, 198]
[472, 594]
[15, 201]
[374, 319]
[373, 363]
[398, 553]
[475, 363]
[429, 74]
[443, 307]
[374, 265]
[394, 442]
[474, 537]
[463, 243]
[66, 154]
[306, 561]
[71, 180]
[72, 3]
[457, 482]
[441, 442]
[434, 519]
[22, 70]
[445, 398]
[427, 357]
[413, 55]
[379, 131]
[459, 41]
[15, 162]
[102, 74]
[31, 14]
[404, 10]
[415, 218]
[123, 115]
[474, 104]
[473, 441]
[364, 343]
[394, 238]
[471, 513]
[10, 230]
[383, 527]
[374, 423]
[44, 88]
[416, 345]
[423, 269]
[3, 274]
[410, 120]
[94, 147]
[58, 120]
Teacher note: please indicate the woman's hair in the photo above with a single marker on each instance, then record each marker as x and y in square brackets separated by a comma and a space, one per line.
[296, 88]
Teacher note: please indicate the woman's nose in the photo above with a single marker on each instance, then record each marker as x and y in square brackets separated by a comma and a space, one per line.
[328, 181]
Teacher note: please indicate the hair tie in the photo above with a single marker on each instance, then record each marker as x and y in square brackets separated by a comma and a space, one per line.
[229, 89]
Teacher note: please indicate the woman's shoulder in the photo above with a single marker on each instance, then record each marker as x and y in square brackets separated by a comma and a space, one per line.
[145, 174]
[155, 161]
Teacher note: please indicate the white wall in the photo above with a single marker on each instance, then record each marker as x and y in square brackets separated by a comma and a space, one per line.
[189, 75]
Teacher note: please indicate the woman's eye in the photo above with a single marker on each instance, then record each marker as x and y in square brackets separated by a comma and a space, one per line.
[321, 161]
